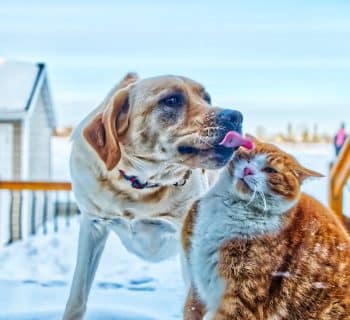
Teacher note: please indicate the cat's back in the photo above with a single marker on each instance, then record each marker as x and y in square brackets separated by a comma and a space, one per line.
[325, 241]
[316, 216]
[307, 262]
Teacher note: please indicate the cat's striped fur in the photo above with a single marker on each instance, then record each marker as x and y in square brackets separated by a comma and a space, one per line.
[257, 248]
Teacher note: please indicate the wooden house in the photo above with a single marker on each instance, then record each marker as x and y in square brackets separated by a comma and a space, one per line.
[27, 120]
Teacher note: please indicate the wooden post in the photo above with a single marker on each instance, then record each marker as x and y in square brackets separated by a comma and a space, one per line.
[338, 177]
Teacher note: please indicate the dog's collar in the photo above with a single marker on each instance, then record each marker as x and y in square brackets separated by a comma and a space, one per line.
[136, 184]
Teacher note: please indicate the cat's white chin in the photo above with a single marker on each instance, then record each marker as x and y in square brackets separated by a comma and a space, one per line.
[274, 204]
[243, 189]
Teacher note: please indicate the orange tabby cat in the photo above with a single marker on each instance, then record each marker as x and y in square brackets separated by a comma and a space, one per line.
[258, 248]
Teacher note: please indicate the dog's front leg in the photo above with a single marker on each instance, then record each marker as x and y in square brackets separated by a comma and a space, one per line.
[92, 238]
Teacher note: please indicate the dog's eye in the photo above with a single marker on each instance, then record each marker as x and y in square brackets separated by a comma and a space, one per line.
[269, 170]
[175, 100]
[206, 97]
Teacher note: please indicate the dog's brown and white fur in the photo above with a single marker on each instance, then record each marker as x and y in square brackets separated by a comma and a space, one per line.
[161, 130]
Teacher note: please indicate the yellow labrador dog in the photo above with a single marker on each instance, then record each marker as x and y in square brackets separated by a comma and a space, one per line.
[137, 164]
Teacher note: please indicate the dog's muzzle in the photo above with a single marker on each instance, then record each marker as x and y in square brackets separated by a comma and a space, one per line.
[225, 120]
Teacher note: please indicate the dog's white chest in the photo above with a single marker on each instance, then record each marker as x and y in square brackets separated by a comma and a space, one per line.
[151, 239]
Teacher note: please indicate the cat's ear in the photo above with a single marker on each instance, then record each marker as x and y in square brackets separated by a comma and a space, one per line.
[304, 173]
[256, 142]
[251, 137]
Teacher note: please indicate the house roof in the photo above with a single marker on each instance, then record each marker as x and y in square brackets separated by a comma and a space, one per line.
[20, 83]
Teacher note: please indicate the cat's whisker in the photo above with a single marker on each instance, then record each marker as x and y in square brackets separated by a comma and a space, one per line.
[252, 197]
[263, 199]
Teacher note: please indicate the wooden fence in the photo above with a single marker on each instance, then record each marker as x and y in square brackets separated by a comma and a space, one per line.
[32, 204]
[57, 200]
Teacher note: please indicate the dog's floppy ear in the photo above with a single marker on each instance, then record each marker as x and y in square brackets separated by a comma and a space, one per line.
[103, 131]
[129, 78]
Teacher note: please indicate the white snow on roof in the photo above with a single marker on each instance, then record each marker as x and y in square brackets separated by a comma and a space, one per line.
[16, 84]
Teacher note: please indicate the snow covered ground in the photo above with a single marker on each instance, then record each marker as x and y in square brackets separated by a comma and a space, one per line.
[35, 274]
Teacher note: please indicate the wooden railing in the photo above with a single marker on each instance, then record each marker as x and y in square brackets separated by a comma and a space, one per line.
[35, 185]
[339, 175]
[43, 201]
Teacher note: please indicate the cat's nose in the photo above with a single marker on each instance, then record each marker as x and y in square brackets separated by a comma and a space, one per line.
[247, 171]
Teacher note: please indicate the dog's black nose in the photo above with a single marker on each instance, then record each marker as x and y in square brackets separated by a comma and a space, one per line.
[230, 116]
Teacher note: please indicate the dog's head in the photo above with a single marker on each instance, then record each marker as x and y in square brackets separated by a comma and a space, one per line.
[162, 119]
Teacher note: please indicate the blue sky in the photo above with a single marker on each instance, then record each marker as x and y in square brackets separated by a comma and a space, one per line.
[275, 60]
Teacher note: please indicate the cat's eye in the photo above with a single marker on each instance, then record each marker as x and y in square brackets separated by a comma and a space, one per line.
[269, 170]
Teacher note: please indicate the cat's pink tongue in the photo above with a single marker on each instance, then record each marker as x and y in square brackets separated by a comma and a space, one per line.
[233, 140]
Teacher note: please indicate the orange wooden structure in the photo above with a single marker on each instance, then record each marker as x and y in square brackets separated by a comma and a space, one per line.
[35, 185]
[340, 173]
